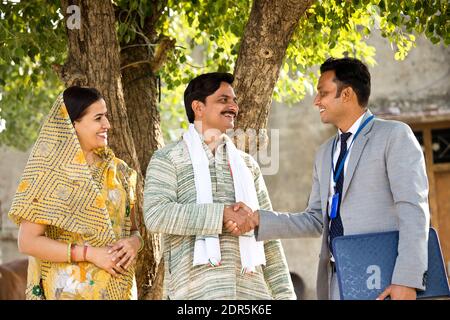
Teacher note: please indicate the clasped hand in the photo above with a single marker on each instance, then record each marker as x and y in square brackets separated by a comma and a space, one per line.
[117, 257]
[239, 219]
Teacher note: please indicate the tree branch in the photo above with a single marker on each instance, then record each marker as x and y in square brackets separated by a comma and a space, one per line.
[134, 64]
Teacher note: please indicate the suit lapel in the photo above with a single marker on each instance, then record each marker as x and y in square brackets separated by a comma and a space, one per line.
[325, 175]
[356, 152]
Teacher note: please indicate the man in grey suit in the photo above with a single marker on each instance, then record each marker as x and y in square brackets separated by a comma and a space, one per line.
[370, 177]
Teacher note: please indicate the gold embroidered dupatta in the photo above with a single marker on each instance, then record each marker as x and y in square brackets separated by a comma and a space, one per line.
[57, 189]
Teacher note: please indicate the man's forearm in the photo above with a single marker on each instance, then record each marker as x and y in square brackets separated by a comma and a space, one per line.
[276, 225]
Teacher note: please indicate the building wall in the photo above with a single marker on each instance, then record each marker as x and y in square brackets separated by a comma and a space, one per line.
[423, 75]
[12, 163]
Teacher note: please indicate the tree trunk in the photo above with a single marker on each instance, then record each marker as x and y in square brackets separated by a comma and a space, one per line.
[263, 47]
[140, 92]
[94, 60]
[140, 62]
[139, 66]
[141, 98]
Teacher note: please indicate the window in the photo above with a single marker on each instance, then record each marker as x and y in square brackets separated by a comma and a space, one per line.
[440, 139]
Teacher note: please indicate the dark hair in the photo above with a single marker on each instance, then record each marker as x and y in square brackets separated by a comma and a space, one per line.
[78, 99]
[350, 72]
[201, 87]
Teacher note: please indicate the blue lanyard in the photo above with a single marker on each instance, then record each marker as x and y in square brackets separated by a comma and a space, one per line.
[341, 165]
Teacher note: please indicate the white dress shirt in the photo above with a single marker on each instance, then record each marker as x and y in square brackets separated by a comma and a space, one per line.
[337, 150]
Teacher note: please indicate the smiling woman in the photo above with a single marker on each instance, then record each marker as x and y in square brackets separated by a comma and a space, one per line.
[87, 111]
[75, 207]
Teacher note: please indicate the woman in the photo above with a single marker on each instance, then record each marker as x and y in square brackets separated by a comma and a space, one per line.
[74, 206]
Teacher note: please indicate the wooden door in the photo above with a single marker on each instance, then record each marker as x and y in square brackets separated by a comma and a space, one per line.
[434, 138]
[442, 183]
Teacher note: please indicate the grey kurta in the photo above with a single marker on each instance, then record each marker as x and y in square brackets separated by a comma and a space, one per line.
[170, 208]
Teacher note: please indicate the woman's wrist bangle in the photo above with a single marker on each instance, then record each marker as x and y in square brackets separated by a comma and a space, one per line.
[141, 240]
[72, 251]
[85, 252]
[141, 243]
[69, 247]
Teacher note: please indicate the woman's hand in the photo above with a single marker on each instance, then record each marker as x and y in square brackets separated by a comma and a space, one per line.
[124, 251]
[102, 258]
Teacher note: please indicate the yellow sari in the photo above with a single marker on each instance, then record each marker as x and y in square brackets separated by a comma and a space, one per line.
[79, 204]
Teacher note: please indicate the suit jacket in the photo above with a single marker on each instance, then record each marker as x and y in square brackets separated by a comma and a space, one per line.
[385, 188]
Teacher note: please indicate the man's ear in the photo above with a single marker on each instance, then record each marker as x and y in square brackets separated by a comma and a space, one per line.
[197, 107]
[347, 93]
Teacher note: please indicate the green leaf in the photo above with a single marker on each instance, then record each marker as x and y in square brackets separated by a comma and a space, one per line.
[133, 4]
[235, 29]
[122, 29]
[435, 40]
[19, 52]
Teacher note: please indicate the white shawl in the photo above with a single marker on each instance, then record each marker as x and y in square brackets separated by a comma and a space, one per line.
[207, 247]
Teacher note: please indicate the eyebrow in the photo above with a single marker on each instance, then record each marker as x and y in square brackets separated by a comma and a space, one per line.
[227, 96]
[101, 114]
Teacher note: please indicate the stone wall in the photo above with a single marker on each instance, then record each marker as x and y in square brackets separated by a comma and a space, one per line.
[12, 163]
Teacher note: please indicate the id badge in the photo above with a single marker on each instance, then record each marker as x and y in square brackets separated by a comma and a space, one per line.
[334, 205]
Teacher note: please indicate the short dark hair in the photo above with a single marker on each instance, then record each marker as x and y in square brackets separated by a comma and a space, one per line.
[78, 99]
[201, 87]
[350, 72]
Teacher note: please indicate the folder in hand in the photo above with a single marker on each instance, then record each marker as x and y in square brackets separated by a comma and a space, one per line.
[365, 263]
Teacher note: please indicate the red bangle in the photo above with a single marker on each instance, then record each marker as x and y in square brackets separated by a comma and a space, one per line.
[84, 252]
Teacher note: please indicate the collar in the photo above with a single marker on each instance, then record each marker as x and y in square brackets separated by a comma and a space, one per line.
[354, 127]
[220, 145]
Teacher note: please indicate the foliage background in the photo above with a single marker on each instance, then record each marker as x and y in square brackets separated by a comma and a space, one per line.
[33, 45]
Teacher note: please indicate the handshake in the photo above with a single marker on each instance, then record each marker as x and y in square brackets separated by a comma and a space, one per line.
[239, 219]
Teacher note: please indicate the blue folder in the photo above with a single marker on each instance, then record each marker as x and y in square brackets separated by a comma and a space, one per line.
[365, 263]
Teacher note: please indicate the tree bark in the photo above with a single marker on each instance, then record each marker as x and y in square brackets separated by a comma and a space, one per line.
[140, 92]
[139, 66]
[94, 60]
[263, 47]
[140, 63]
[140, 89]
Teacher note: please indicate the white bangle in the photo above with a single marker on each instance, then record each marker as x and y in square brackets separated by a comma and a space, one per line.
[137, 234]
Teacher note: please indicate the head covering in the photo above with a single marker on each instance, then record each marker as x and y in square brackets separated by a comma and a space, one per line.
[56, 187]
